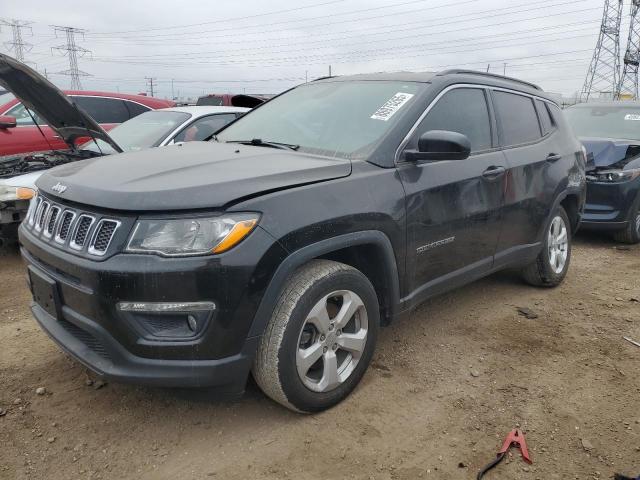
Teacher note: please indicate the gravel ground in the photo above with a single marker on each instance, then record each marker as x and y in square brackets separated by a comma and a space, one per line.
[445, 388]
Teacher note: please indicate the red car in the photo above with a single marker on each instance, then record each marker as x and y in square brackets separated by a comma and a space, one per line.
[109, 109]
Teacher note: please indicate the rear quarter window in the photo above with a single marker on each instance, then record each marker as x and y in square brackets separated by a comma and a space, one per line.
[546, 121]
[518, 118]
[104, 110]
[135, 109]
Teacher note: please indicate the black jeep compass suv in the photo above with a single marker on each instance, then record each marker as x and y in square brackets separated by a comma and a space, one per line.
[280, 246]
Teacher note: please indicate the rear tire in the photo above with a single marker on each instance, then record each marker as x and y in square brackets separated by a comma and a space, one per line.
[631, 234]
[552, 263]
[320, 339]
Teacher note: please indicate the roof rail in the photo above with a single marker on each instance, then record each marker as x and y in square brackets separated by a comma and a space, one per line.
[458, 71]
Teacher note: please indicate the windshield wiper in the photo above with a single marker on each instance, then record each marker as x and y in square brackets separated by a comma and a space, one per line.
[258, 142]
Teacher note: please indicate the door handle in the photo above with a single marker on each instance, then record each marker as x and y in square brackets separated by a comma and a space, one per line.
[553, 157]
[492, 173]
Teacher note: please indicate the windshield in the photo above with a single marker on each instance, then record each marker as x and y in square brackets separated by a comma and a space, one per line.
[608, 121]
[210, 100]
[337, 119]
[146, 130]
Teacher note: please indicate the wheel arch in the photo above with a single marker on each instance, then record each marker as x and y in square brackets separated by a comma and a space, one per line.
[369, 251]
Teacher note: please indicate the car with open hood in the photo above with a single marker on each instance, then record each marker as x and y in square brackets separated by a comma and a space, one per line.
[70, 121]
[610, 131]
[282, 245]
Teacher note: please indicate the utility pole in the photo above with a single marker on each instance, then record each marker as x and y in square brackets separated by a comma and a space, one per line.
[73, 51]
[604, 70]
[329, 70]
[628, 86]
[504, 69]
[150, 84]
[173, 97]
[18, 45]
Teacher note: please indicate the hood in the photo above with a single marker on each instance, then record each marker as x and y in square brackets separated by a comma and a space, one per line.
[193, 175]
[27, 180]
[612, 153]
[39, 94]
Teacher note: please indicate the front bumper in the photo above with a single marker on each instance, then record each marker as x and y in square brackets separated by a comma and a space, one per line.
[96, 349]
[608, 205]
[118, 345]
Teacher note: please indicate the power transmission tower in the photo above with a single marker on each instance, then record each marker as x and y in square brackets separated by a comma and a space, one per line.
[73, 51]
[150, 84]
[18, 45]
[628, 87]
[604, 70]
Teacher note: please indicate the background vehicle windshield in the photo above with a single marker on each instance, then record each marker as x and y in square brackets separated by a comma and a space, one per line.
[144, 131]
[621, 122]
[337, 119]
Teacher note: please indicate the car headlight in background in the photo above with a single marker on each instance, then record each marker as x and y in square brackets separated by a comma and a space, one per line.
[613, 176]
[8, 194]
[191, 236]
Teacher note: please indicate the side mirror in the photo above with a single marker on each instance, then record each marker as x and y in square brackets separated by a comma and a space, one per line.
[437, 145]
[7, 121]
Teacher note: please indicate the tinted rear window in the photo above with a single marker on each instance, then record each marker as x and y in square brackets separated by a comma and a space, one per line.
[104, 110]
[517, 117]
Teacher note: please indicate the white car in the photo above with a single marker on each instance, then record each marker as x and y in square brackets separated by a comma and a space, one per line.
[155, 128]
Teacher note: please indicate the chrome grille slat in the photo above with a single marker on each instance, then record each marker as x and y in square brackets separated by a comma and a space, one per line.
[65, 226]
[50, 223]
[81, 231]
[42, 215]
[102, 236]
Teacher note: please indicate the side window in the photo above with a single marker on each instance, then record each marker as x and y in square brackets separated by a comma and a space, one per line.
[462, 110]
[518, 118]
[545, 117]
[104, 110]
[22, 116]
[204, 127]
[135, 109]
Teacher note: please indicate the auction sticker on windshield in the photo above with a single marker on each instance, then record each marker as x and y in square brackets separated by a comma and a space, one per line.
[391, 106]
[632, 116]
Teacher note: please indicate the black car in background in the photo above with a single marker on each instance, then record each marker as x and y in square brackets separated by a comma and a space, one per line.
[611, 134]
[281, 246]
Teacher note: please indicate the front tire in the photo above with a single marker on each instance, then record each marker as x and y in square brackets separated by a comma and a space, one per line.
[552, 263]
[320, 339]
[631, 234]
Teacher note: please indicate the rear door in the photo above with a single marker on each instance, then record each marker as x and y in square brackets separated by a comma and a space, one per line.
[531, 146]
[454, 207]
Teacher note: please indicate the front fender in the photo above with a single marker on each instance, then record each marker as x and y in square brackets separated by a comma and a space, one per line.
[315, 250]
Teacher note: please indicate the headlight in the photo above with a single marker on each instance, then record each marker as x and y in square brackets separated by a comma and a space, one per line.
[613, 176]
[8, 194]
[192, 236]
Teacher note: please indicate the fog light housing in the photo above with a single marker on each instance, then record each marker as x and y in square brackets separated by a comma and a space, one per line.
[192, 323]
[168, 321]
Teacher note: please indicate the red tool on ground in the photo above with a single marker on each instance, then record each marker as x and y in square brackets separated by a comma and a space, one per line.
[514, 439]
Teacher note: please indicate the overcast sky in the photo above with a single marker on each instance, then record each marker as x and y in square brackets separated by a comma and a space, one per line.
[265, 47]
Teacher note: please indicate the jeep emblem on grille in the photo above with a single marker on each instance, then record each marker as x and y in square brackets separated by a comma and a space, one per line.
[58, 187]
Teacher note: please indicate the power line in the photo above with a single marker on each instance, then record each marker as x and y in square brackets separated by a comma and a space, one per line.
[289, 10]
[18, 45]
[71, 50]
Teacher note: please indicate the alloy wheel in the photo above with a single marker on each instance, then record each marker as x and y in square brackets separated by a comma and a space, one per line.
[558, 244]
[332, 341]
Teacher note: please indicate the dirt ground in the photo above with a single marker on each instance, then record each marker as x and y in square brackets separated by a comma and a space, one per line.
[444, 389]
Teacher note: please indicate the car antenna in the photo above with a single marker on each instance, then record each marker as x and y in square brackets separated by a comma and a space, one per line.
[39, 129]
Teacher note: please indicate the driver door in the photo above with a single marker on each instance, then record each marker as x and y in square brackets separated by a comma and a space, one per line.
[454, 207]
